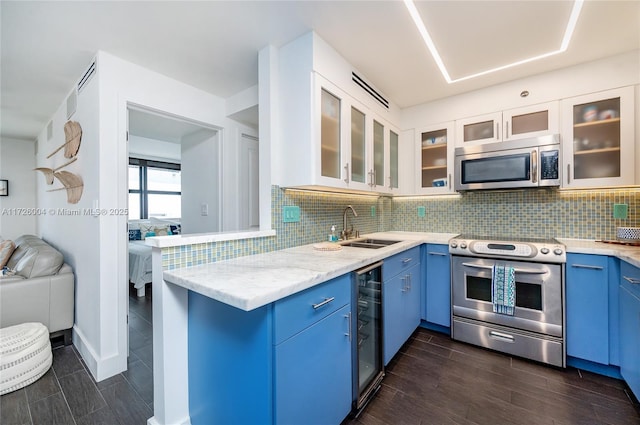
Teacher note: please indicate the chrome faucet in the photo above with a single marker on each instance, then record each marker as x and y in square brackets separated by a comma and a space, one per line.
[347, 233]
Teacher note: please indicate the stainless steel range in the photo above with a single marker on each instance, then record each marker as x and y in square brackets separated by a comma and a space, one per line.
[534, 327]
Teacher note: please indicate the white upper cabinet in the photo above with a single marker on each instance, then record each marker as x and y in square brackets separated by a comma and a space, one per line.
[331, 131]
[384, 177]
[598, 139]
[393, 168]
[513, 124]
[332, 152]
[531, 121]
[434, 158]
[479, 129]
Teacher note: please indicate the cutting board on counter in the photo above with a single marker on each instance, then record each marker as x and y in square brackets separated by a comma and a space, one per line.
[619, 242]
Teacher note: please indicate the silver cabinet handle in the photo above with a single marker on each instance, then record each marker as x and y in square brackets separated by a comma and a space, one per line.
[348, 317]
[501, 336]
[390, 183]
[506, 129]
[586, 266]
[497, 131]
[449, 181]
[404, 284]
[346, 168]
[407, 260]
[632, 280]
[523, 271]
[323, 303]
[442, 254]
[568, 173]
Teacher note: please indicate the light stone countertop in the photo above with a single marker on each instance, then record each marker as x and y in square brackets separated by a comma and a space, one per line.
[630, 254]
[256, 280]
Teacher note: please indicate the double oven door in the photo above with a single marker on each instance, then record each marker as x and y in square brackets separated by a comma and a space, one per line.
[539, 294]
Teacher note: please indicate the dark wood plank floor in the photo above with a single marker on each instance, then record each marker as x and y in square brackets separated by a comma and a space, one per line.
[67, 393]
[434, 380]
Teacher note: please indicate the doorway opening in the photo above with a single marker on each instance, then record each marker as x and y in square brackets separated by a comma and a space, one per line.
[174, 186]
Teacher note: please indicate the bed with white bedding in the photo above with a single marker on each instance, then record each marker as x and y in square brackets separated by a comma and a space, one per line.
[140, 253]
[139, 265]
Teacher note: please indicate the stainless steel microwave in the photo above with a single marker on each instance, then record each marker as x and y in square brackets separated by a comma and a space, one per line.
[514, 164]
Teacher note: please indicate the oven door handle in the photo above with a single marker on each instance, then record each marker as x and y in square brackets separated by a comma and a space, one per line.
[517, 270]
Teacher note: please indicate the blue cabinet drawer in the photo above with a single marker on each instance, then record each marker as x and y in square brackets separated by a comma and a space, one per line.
[299, 311]
[399, 262]
[630, 278]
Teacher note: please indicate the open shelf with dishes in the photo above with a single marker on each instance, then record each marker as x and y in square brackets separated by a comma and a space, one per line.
[434, 151]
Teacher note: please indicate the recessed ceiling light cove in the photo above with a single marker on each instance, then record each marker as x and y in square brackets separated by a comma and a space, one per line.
[417, 19]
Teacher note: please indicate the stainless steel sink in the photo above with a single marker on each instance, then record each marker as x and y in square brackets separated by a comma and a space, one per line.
[369, 243]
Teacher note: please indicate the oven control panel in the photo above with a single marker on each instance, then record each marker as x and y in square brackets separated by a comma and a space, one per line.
[503, 248]
[546, 251]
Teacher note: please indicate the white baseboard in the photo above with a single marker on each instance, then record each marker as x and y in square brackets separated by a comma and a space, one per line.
[152, 421]
[100, 368]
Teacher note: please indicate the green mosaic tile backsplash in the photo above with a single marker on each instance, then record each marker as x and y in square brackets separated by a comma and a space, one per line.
[527, 213]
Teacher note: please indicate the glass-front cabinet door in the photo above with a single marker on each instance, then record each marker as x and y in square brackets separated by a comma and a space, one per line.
[358, 146]
[377, 173]
[435, 158]
[598, 139]
[330, 140]
[394, 157]
[531, 121]
[480, 129]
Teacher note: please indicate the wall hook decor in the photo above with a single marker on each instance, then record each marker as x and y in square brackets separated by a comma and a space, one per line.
[72, 136]
[48, 172]
[72, 184]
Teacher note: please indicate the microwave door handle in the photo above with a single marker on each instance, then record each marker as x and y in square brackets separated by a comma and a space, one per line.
[517, 270]
[534, 166]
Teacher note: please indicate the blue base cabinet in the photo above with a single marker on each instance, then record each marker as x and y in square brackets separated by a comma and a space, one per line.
[313, 373]
[288, 362]
[629, 296]
[587, 313]
[401, 300]
[437, 285]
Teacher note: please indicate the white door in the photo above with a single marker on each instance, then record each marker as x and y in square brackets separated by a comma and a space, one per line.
[248, 183]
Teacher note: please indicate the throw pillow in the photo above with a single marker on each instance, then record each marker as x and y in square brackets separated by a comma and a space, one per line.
[135, 235]
[145, 229]
[6, 249]
[161, 231]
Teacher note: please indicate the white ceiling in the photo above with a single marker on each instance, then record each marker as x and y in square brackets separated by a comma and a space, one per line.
[213, 45]
[161, 127]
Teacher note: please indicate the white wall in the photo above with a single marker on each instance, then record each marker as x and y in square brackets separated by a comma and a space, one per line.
[17, 161]
[123, 83]
[201, 182]
[78, 236]
[97, 246]
[152, 149]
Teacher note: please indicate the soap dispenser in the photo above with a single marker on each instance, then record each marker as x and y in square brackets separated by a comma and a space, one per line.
[332, 236]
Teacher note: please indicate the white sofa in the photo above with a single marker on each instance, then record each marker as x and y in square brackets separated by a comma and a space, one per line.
[39, 289]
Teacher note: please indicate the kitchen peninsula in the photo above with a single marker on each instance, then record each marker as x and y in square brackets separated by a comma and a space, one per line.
[248, 287]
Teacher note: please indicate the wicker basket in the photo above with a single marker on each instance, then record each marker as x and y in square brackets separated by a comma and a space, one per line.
[629, 233]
